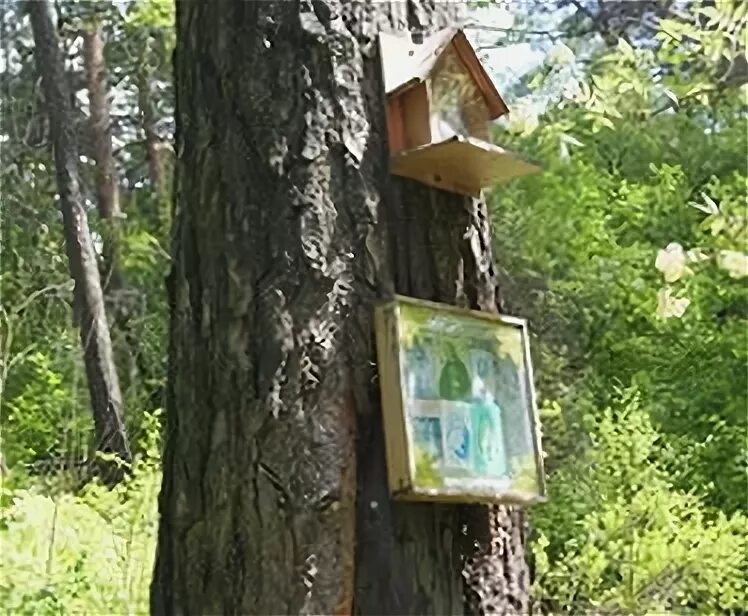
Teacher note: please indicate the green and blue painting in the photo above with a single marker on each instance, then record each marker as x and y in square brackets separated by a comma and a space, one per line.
[468, 402]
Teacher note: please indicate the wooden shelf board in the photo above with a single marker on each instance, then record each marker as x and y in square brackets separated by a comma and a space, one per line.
[461, 164]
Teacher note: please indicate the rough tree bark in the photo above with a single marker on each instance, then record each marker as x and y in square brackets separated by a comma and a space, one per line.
[103, 385]
[288, 229]
[107, 188]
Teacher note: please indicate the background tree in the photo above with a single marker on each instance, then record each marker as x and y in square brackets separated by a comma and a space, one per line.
[101, 373]
[50, 424]
[106, 181]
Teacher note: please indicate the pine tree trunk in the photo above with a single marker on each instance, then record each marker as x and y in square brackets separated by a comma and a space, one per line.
[288, 230]
[155, 150]
[103, 385]
[118, 298]
[107, 188]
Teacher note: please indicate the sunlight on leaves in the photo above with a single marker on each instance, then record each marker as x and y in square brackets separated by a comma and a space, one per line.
[560, 54]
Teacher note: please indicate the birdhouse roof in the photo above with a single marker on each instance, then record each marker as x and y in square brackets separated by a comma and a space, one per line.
[405, 63]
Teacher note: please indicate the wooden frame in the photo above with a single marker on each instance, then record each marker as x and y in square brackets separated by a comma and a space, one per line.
[445, 443]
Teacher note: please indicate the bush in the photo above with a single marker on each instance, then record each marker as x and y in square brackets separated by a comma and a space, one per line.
[617, 536]
[90, 552]
[43, 417]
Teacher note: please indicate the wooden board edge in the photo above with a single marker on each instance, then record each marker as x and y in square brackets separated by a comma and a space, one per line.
[441, 184]
[505, 166]
[535, 425]
[395, 129]
[398, 456]
[469, 58]
[475, 142]
[420, 495]
[458, 310]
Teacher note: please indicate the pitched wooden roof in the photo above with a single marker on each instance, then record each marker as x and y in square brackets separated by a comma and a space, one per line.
[405, 63]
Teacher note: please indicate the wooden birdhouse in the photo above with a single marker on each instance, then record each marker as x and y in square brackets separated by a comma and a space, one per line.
[458, 405]
[440, 102]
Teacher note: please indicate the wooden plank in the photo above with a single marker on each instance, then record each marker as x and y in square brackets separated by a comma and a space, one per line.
[395, 128]
[458, 310]
[415, 106]
[446, 495]
[399, 467]
[461, 164]
[534, 417]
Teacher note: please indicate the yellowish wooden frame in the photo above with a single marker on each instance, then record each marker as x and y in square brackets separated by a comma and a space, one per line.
[400, 458]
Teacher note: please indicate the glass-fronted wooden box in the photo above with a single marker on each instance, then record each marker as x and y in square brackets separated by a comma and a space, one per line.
[458, 405]
[440, 104]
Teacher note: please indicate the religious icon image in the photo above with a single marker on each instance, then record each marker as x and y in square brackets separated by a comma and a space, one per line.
[467, 398]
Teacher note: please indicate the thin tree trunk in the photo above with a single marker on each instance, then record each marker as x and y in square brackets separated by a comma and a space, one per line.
[103, 385]
[107, 188]
[118, 303]
[288, 229]
[154, 146]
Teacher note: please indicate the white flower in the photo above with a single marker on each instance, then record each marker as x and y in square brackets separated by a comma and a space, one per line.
[734, 262]
[560, 54]
[572, 90]
[671, 262]
[669, 306]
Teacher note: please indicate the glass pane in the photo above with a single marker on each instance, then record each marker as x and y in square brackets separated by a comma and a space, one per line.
[468, 402]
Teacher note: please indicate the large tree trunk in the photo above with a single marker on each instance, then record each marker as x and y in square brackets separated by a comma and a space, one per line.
[107, 188]
[289, 229]
[103, 385]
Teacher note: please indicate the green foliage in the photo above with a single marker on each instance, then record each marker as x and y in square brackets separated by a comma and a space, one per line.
[629, 256]
[154, 15]
[90, 552]
[617, 536]
[43, 417]
[591, 287]
[43, 409]
[145, 263]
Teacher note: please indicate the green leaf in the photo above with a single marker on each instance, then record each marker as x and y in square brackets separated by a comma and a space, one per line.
[671, 95]
[626, 49]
